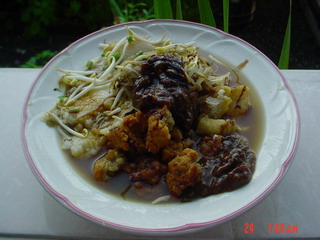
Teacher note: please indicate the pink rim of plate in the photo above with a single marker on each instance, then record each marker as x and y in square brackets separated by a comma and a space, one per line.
[62, 199]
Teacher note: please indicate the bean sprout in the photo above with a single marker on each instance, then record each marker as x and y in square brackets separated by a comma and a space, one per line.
[65, 127]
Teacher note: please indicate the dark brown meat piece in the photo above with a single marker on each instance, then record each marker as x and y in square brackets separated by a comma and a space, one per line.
[163, 83]
[145, 169]
[227, 164]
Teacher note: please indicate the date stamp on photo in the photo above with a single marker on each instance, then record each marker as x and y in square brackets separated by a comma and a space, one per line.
[273, 228]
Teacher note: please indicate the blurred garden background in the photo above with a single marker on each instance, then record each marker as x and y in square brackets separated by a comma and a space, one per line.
[32, 31]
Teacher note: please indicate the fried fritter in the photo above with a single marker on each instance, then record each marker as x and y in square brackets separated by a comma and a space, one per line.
[143, 132]
[130, 134]
[174, 148]
[108, 165]
[159, 125]
[183, 171]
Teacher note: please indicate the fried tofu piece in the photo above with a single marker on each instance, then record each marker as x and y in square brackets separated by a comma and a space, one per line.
[174, 148]
[171, 151]
[85, 147]
[136, 127]
[143, 132]
[159, 125]
[183, 171]
[118, 138]
[218, 105]
[209, 126]
[240, 101]
[129, 134]
[232, 102]
[176, 134]
[108, 165]
[158, 135]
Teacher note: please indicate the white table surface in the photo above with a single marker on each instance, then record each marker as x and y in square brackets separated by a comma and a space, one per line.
[28, 211]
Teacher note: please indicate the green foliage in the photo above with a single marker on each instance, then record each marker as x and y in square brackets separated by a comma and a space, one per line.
[37, 14]
[75, 6]
[162, 9]
[206, 15]
[226, 15]
[39, 60]
[37, 18]
[131, 12]
[93, 15]
[116, 11]
[137, 11]
[178, 10]
[285, 51]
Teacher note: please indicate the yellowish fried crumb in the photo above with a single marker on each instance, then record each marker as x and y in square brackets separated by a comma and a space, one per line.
[183, 171]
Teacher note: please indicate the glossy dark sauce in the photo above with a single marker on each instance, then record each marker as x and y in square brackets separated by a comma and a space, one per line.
[163, 83]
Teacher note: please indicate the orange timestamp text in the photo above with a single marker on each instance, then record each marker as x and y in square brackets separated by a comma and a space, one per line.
[273, 228]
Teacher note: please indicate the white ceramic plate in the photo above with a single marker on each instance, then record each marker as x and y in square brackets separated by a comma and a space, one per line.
[64, 183]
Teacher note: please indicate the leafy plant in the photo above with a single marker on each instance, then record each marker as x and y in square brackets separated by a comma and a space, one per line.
[178, 10]
[226, 15]
[162, 9]
[75, 6]
[39, 60]
[37, 14]
[131, 12]
[206, 14]
[285, 51]
[40, 15]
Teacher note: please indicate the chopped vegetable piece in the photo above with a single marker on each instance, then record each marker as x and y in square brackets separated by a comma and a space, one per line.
[89, 64]
[130, 39]
[117, 55]
[74, 110]
[138, 53]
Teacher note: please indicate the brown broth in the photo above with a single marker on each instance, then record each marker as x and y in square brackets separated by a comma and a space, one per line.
[253, 120]
[119, 185]
[122, 187]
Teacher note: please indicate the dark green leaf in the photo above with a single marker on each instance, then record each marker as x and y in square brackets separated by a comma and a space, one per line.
[178, 10]
[25, 15]
[162, 9]
[34, 28]
[145, 12]
[206, 15]
[285, 51]
[75, 6]
[45, 55]
[116, 9]
[226, 15]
